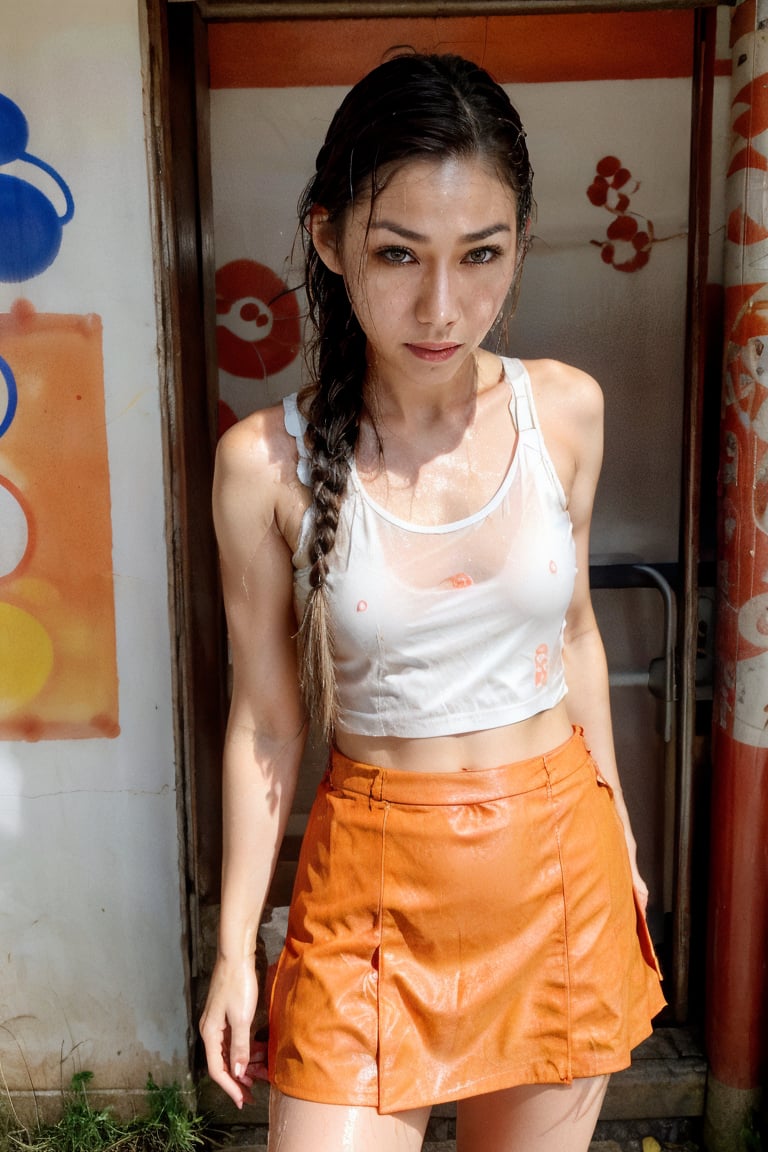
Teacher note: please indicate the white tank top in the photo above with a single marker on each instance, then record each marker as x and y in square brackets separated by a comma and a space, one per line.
[449, 628]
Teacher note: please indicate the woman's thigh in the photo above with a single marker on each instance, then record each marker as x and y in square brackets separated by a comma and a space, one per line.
[532, 1118]
[299, 1125]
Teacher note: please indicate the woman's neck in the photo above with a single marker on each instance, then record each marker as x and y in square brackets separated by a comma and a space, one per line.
[401, 404]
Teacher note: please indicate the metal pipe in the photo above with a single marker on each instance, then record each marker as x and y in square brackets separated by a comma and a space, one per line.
[670, 630]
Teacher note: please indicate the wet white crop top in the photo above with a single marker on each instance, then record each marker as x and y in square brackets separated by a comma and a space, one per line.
[449, 628]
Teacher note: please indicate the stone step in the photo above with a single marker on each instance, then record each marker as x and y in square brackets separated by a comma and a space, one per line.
[666, 1080]
[667, 1077]
[439, 1146]
[430, 1146]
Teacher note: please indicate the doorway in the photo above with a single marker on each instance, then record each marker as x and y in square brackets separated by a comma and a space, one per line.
[615, 282]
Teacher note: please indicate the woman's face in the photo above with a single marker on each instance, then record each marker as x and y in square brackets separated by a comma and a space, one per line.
[429, 268]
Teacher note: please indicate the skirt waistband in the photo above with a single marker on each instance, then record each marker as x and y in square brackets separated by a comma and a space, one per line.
[464, 787]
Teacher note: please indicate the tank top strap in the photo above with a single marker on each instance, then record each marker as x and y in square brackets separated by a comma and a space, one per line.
[296, 426]
[522, 400]
[527, 420]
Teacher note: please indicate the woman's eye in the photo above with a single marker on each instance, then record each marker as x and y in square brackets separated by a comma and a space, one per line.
[396, 255]
[482, 255]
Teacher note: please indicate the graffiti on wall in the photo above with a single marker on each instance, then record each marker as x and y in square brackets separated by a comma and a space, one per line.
[58, 673]
[628, 237]
[258, 331]
[257, 326]
[29, 223]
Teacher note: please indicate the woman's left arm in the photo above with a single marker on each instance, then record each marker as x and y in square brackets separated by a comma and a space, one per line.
[571, 407]
[588, 704]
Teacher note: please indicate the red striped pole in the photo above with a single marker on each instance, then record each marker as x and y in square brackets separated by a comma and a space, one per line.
[737, 985]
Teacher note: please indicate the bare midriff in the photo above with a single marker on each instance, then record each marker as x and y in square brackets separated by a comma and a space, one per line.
[466, 751]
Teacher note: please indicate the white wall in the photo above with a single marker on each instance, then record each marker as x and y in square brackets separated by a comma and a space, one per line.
[91, 967]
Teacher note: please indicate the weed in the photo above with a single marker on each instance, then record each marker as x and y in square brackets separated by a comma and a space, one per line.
[168, 1126]
[750, 1135]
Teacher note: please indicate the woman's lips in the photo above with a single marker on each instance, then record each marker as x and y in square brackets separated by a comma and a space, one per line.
[435, 353]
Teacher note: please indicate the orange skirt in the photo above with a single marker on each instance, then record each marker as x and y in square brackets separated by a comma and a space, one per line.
[454, 933]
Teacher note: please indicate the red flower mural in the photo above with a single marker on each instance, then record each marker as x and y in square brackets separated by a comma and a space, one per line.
[610, 177]
[257, 330]
[629, 237]
[628, 246]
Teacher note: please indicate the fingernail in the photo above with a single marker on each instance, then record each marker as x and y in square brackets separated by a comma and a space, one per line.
[238, 1071]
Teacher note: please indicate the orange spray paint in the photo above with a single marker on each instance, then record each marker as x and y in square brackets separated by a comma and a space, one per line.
[58, 672]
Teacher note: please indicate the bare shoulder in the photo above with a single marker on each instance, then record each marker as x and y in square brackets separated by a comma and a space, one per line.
[565, 393]
[255, 473]
[569, 404]
[256, 447]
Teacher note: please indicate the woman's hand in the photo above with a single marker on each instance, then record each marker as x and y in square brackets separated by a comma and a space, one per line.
[638, 883]
[641, 889]
[234, 1058]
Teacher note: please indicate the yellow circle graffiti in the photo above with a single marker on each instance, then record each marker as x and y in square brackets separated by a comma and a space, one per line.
[26, 657]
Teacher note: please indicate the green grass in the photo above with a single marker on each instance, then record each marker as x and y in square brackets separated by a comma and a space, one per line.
[751, 1133]
[167, 1126]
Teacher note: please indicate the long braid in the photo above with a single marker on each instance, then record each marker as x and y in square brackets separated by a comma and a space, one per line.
[332, 405]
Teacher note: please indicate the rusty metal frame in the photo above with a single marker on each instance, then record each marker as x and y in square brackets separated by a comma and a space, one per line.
[175, 94]
[371, 9]
[688, 786]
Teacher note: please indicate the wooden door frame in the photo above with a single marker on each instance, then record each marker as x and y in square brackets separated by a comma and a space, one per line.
[176, 114]
[176, 109]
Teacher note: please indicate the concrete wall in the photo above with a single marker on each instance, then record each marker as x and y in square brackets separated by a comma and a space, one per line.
[91, 963]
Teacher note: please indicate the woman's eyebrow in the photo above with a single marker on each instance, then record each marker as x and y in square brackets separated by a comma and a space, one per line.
[417, 237]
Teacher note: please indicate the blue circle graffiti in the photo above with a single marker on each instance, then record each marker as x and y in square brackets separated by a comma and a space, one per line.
[12, 396]
[30, 226]
[14, 134]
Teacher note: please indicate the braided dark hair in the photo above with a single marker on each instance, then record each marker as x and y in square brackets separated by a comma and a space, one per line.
[411, 107]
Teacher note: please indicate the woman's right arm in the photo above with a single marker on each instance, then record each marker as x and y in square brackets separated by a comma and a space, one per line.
[266, 728]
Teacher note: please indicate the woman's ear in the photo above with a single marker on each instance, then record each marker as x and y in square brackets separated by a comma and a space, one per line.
[325, 238]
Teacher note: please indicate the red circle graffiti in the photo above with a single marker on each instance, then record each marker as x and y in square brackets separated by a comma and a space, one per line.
[257, 330]
[226, 417]
[26, 509]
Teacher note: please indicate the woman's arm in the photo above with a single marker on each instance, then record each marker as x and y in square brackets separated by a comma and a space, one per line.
[570, 405]
[266, 728]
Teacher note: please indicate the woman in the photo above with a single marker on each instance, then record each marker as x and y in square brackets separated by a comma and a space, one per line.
[463, 924]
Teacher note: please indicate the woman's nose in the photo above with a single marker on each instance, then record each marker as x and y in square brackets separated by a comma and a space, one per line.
[437, 302]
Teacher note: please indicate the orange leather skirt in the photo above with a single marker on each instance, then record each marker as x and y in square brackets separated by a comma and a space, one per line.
[458, 933]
